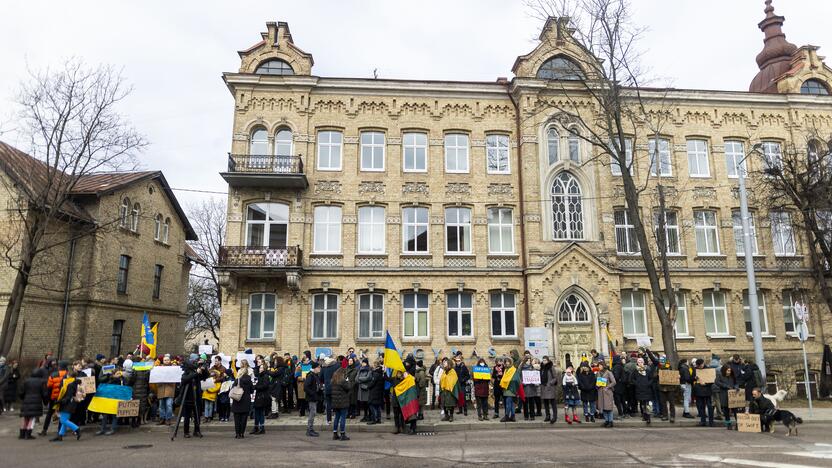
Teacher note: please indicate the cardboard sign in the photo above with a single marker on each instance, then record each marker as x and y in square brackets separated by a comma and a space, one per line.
[166, 374]
[668, 377]
[128, 409]
[736, 398]
[87, 384]
[706, 376]
[482, 373]
[748, 422]
[206, 349]
[108, 369]
[531, 377]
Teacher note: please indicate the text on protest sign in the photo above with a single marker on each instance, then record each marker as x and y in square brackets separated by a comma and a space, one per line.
[128, 409]
[668, 377]
[748, 422]
[706, 376]
[736, 398]
[87, 384]
[531, 377]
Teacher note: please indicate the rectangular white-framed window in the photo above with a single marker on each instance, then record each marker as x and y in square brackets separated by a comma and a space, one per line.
[625, 234]
[262, 316]
[460, 315]
[664, 167]
[500, 231]
[497, 154]
[633, 313]
[416, 319]
[458, 230]
[782, 234]
[370, 316]
[735, 157]
[327, 232]
[325, 316]
[503, 315]
[739, 238]
[329, 150]
[790, 320]
[456, 153]
[682, 323]
[772, 155]
[415, 226]
[615, 168]
[707, 233]
[698, 158]
[415, 152]
[372, 151]
[761, 307]
[372, 230]
[716, 313]
[671, 231]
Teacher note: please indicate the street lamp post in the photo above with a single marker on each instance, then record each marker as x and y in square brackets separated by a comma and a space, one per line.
[748, 239]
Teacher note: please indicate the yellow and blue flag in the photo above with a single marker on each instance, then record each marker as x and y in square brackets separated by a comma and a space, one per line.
[392, 360]
[107, 397]
[148, 346]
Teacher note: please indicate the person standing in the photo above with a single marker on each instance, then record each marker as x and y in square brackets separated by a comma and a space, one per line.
[328, 369]
[703, 393]
[620, 390]
[352, 373]
[262, 399]
[589, 390]
[68, 397]
[667, 393]
[686, 384]
[375, 398]
[725, 382]
[241, 407]
[548, 389]
[342, 390]
[571, 396]
[53, 384]
[12, 384]
[422, 381]
[605, 381]
[496, 377]
[449, 389]
[509, 391]
[481, 393]
[192, 377]
[311, 385]
[363, 381]
[464, 378]
[300, 378]
[35, 395]
[165, 393]
[277, 372]
[642, 380]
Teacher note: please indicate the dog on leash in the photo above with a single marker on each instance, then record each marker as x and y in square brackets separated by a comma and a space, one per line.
[788, 419]
[776, 398]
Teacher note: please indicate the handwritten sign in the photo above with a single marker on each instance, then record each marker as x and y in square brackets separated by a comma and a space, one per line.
[206, 349]
[706, 376]
[128, 409]
[166, 374]
[736, 398]
[531, 377]
[87, 384]
[643, 341]
[668, 377]
[482, 373]
[748, 422]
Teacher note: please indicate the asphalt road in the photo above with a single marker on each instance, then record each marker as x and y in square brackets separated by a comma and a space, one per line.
[560, 446]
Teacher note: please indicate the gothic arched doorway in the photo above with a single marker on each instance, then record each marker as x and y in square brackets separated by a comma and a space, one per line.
[576, 331]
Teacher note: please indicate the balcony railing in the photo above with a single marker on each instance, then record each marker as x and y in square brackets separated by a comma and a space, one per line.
[265, 164]
[262, 257]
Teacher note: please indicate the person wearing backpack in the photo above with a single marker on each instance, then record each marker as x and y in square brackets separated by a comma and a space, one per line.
[68, 398]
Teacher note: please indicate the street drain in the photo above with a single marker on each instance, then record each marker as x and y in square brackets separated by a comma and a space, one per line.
[136, 447]
[425, 433]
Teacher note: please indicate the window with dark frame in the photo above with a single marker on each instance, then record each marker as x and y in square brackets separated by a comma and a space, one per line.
[123, 270]
[157, 281]
[115, 339]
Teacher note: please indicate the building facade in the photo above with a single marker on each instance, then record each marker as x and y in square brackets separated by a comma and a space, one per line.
[456, 214]
[130, 257]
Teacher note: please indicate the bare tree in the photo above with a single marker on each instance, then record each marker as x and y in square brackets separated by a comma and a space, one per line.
[69, 118]
[604, 102]
[205, 293]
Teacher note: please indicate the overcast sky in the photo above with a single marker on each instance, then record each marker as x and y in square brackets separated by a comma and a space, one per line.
[174, 52]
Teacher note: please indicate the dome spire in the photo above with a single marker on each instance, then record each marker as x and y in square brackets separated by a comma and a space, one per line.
[776, 55]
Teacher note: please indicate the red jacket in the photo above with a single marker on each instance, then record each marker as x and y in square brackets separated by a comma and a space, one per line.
[54, 384]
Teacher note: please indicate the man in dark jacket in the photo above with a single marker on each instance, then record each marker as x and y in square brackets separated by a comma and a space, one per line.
[764, 407]
[464, 377]
[703, 393]
[327, 370]
[190, 388]
[310, 387]
[620, 390]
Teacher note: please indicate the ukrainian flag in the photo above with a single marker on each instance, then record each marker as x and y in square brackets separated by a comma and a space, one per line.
[107, 397]
[148, 337]
[392, 360]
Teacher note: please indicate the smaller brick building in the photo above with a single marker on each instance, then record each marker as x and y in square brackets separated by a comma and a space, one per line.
[118, 250]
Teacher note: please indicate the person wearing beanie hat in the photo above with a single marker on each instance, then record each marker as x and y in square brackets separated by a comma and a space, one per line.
[311, 387]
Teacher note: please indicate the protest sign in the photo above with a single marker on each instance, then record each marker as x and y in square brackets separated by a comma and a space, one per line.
[736, 398]
[108, 396]
[207, 384]
[206, 349]
[668, 377]
[245, 357]
[748, 422]
[643, 342]
[706, 376]
[143, 366]
[531, 377]
[87, 372]
[87, 384]
[166, 374]
[128, 409]
[482, 373]
[108, 369]
[304, 369]
[601, 382]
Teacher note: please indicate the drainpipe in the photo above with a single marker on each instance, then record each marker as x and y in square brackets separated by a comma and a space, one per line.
[522, 206]
[66, 298]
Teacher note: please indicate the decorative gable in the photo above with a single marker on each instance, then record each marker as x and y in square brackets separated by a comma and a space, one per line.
[806, 65]
[556, 40]
[276, 44]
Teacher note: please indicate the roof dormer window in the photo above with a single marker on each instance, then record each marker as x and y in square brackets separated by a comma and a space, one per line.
[274, 67]
[814, 87]
[560, 68]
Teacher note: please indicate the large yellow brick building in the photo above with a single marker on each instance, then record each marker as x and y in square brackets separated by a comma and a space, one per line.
[456, 214]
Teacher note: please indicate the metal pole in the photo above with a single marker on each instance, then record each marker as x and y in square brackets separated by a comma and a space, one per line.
[748, 240]
[802, 313]
[807, 385]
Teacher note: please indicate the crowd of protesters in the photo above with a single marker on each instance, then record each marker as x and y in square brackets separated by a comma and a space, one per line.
[352, 386]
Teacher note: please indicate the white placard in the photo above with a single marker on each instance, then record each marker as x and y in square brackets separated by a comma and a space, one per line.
[166, 374]
[643, 342]
[206, 349]
[207, 384]
[87, 371]
[245, 357]
[537, 341]
[531, 377]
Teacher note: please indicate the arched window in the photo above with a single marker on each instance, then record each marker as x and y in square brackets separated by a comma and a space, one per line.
[573, 310]
[813, 86]
[283, 142]
[166, 230]
[259, 142]
[567, 208]
[274, 67]
[124, 213]
[552, 143]
[560, 68]
[134, 219]
[157, 227]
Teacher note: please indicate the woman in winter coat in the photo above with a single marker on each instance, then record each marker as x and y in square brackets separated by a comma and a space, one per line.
[548, 389]
[262, 399]
[140, 382]
[363, 381]
[209, 396]
[352, 374]
[496, 377]
[531, 405]
[571, 396]
[242, 407]
[68, 398]
[620, 390]
[375, 394]
[605, 381]
[725, 381]
[589, 392]
[34, 396]
[481, 391]
[341, 386]
[703, 393]
[10, 395]
[642, 380]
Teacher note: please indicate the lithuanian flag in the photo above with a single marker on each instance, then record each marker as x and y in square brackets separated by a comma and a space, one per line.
[408, 396]
[450, 383]
[107, 397]
[511, 382]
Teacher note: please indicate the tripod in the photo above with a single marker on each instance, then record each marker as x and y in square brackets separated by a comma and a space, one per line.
[188, 388]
